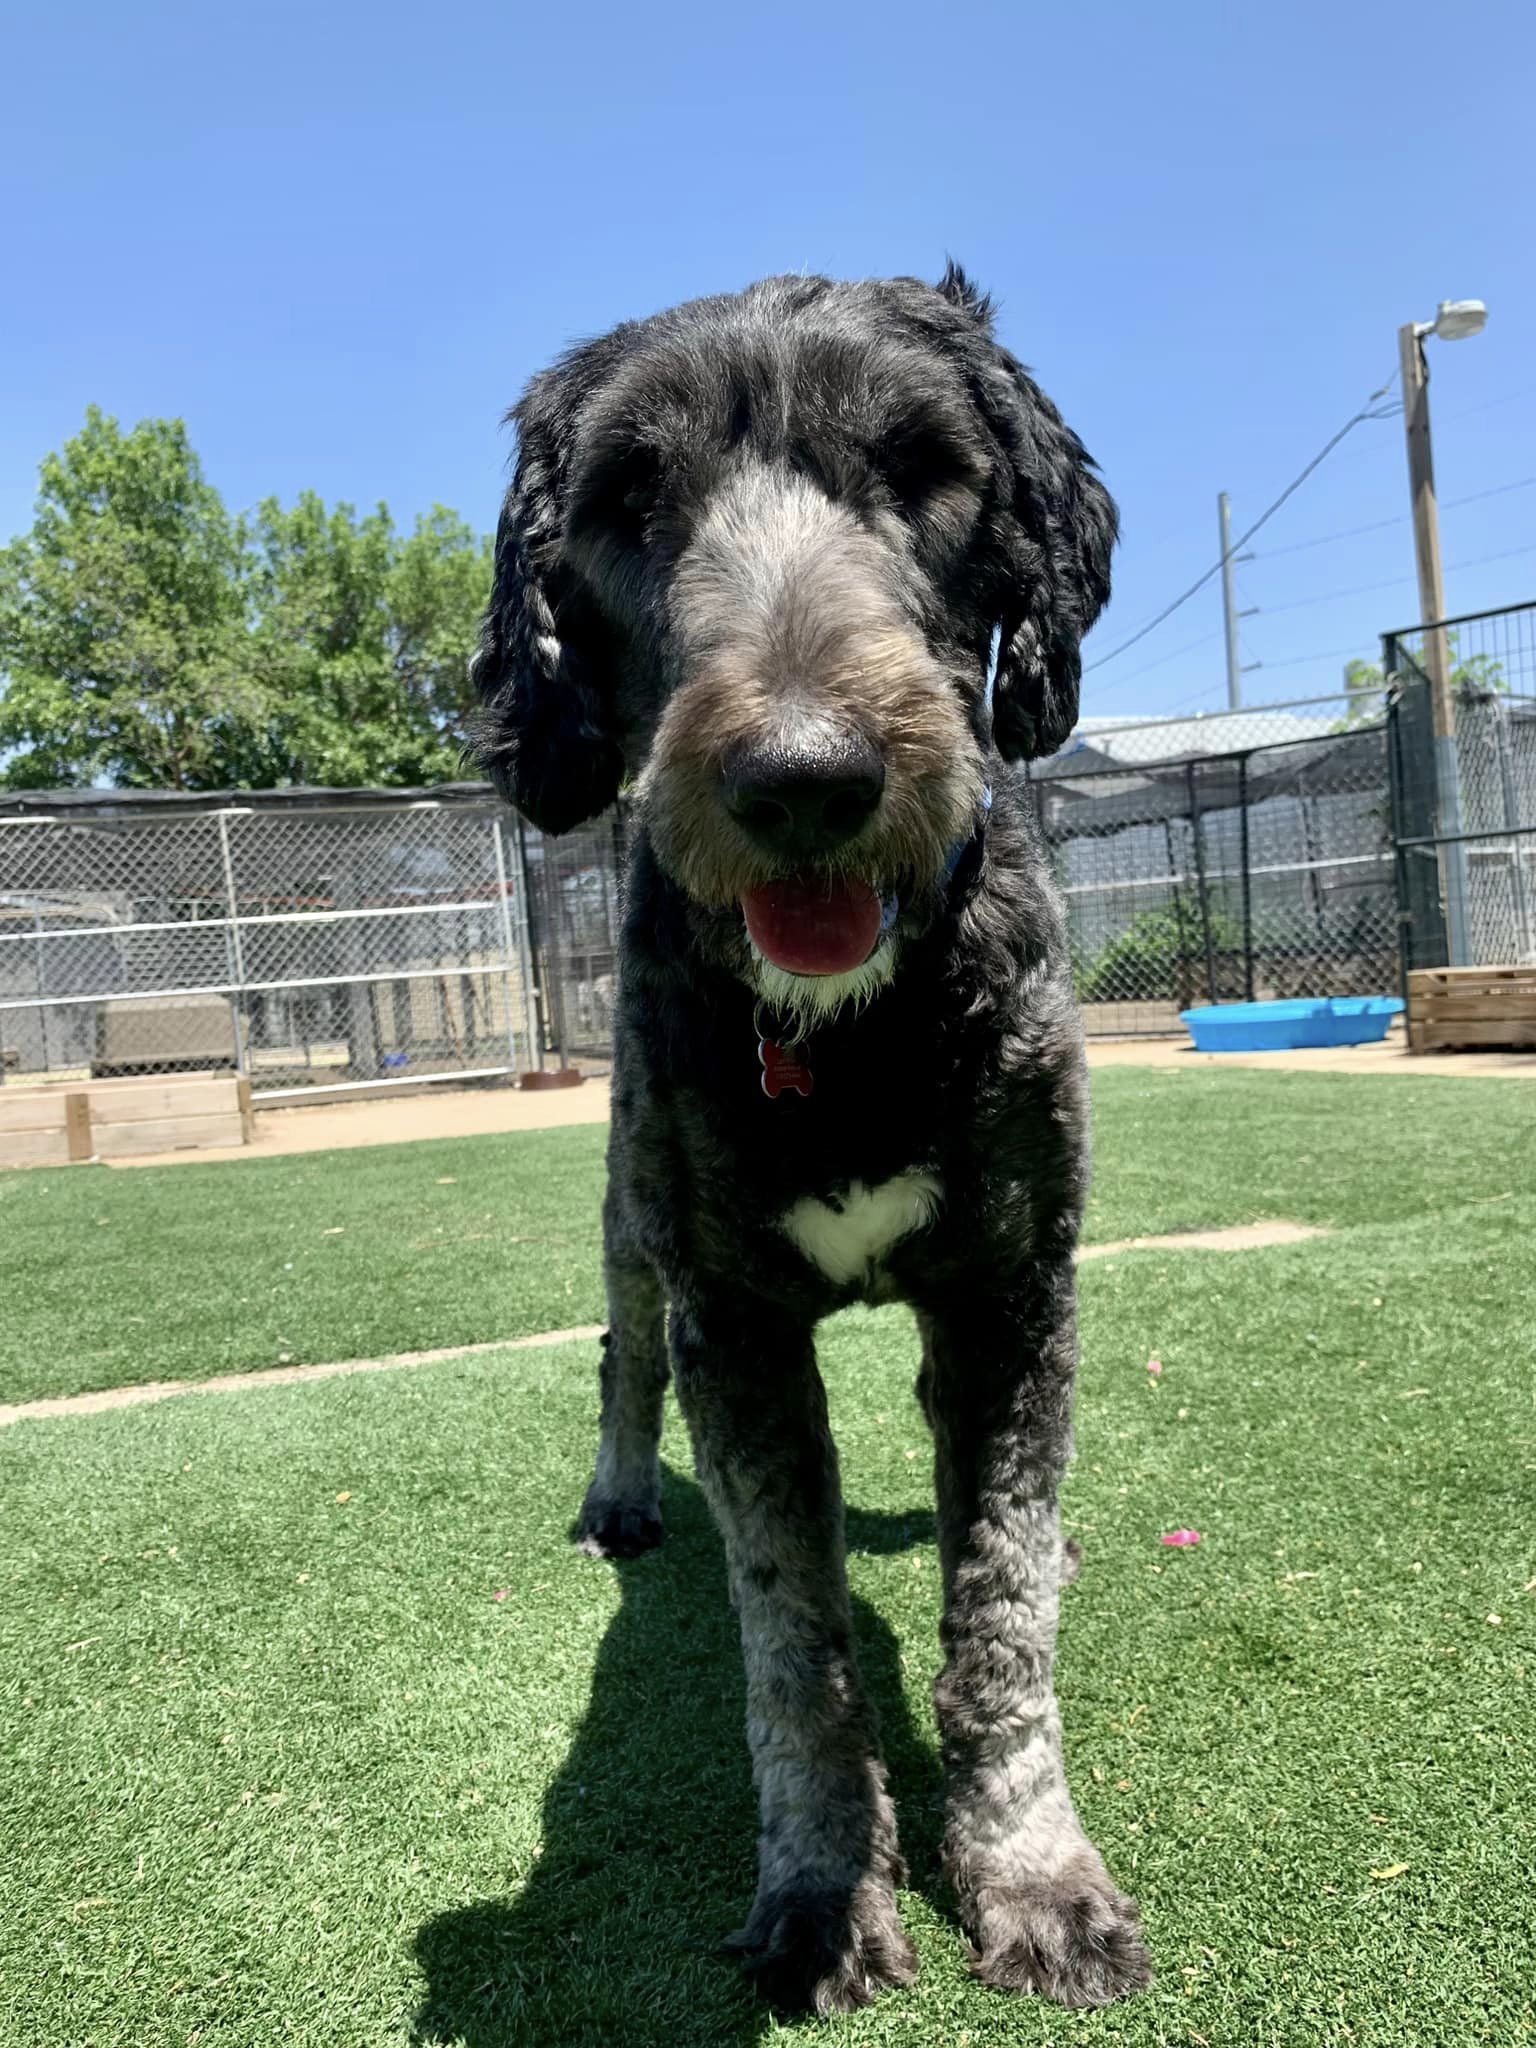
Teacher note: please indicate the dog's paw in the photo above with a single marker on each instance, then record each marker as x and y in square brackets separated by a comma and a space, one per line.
[807, 1953]
[1074, 1938]
[616, 1528]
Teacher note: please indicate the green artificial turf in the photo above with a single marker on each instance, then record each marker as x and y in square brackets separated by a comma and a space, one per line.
[184, 1272]
[190, 1271]
[277, 1767]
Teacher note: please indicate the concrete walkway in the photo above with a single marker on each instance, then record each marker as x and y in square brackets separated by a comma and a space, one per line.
[392, 1120]
[1390, 1057]
[478, 1112]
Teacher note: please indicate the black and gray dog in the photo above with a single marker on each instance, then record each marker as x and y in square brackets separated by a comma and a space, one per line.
[760, 560]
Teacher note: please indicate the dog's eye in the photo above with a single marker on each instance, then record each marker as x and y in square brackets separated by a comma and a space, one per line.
[920, 463]
[618, 496]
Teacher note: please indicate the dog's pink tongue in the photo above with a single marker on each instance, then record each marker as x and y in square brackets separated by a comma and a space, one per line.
[814, 927]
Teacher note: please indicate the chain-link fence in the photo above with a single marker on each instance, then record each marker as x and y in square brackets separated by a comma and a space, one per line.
[342, 939]
[300, 938]
[573, 917]
[1463, 754]
[1237, 857]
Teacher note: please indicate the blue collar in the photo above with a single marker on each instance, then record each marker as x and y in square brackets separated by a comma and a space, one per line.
[958, 851]
[890, 909]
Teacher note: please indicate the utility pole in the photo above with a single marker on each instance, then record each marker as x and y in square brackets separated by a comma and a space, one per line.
[1426, 522]
[1229, 604]
[1436, 645]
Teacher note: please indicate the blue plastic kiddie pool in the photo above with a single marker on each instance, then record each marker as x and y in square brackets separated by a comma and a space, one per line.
[1275, 1027]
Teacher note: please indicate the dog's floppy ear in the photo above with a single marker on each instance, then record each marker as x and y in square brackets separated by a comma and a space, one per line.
[1054, 529]
[545, 734]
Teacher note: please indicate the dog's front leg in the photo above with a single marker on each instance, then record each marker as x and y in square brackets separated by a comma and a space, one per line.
[1041, 1908]
[621, 1515]
[823, 1931]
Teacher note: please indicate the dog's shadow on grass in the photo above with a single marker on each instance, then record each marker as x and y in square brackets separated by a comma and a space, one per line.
[649, 1830]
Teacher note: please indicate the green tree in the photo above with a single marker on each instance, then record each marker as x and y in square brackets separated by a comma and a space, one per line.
[1475, 675]
[361, 640]
[318, 625]
[1364, 694]
[148, 639]
[121, 627]
[439, 588]
[1159, 957]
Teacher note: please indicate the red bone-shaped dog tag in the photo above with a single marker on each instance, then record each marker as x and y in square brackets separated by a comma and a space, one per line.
[783, 1068]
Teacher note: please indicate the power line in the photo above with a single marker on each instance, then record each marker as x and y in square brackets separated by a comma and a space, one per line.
[1300, 604]
[1446, 419]
[1297, 604]
[1323, 539]
[1213, 690]
[1325, 654]
[1366, 412]
[1189, 647]
[1487, 404]
[1441, 419]
[1504, 555]
[1522, 483]
[1296, 547]
[1296, 661]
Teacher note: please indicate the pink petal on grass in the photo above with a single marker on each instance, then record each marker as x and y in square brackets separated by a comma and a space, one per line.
[1182, 1539]
[501, 1595]
[1154, 1365]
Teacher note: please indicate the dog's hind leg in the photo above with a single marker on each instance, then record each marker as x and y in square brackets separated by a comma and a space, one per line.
[823, 1932]
[1042, 1910]
[621, 1515]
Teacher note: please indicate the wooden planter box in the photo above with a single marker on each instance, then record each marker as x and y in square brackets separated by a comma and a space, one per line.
[53, 1126]
[161, 1037]
[1453, 1009]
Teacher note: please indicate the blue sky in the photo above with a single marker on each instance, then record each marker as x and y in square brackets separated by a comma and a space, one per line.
[337, 239]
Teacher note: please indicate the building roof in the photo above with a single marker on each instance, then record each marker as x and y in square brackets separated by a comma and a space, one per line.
[1112, 740]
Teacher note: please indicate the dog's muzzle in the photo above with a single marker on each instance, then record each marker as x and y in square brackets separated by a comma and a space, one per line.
[803, 802]
[806, 802]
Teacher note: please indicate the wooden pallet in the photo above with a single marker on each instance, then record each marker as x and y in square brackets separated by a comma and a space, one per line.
[64, 1123]
[1453, 1009]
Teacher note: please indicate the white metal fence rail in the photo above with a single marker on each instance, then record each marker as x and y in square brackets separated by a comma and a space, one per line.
[327, 943]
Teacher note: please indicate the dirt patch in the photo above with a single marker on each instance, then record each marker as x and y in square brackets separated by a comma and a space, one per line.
[1237, 1237]
[276, 1376]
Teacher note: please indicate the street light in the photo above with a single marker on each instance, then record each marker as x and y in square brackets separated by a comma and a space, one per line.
[1455, 320]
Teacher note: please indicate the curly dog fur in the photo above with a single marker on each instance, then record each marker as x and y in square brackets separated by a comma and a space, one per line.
[808, 567]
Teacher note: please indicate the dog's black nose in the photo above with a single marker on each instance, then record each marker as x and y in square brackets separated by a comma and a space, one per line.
[801, 800]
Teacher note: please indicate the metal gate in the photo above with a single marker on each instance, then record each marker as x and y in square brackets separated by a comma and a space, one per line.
[303, 938]
[1261, 867]
[1464, 788]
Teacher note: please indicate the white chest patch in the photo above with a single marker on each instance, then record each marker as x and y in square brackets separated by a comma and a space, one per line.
[849, 1237]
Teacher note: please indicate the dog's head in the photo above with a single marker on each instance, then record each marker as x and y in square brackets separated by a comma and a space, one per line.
[759, 555]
